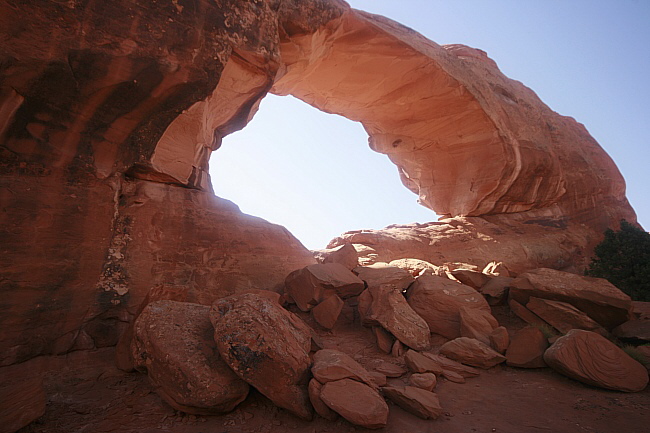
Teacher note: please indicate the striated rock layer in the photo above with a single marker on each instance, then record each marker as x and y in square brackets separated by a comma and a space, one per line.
[109, 112]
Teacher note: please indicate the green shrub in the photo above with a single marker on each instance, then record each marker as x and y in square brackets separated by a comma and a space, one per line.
[623, 258]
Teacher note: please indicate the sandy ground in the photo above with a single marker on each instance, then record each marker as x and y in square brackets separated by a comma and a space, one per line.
[86, 393]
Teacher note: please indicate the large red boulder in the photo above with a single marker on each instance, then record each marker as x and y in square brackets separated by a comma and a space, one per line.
[331, 365]
[476, 323]
[596, 297]
[345, 255]
[267, 346]
[527, 349]
[592, 359]
[173, 341]
[438, 301]
[312, 284]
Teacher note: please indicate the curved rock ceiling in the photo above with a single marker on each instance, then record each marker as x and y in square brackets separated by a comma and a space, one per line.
[109, 112]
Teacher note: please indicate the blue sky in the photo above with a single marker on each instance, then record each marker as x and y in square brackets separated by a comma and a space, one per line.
[314, 173]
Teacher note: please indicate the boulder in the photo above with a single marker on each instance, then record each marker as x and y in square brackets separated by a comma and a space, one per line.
[22, 401]
[499, 339]
[385, 339]
[525, 314]
[596, 297]
[471, 352]
[634, 330]
[478, 324]
[173, 341]
[123, 355]
[449, 365]
[345, 255]
[426, 381]
[419, 402]
[496, 290]
[356, 402]
[320, 407]
[383, 275]
[312, 284]
[527, 349]
[560, 315]
[418, 363]
[267, 346]
[417, 267]
[331, 365]
[641, 310]
[592, 359]
[327, 312]
[438, 301]
[386, 306]
[474, 279]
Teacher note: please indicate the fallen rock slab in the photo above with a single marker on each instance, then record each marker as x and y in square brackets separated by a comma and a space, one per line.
[438, 301]
[634, 330]
[386, 306]
[383, 275]
[267, 346]
[327, 312]
[312, 284]
[596, 297]
[384, 339]
[331, 365]
[474, 279]
[320, 407]
[496, 290]
[525, 314]
[527, 349]
[356, 402]
[174, 343]
[449, 365]
[419, 402]
[472, 352]
[345, 255]
[561, 315]
[476, 323]
[592, 359]
[419, 363]
[416, 267]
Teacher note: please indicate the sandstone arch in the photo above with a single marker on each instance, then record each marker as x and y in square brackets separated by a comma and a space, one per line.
[109, 110]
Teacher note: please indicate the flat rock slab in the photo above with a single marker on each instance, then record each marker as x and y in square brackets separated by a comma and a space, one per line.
[383, 275]
[472, 352]
[477, 323]
[449, 365]
[438, 301]
[636, 330]
[267, 346]
[174, 342]
[592, 359]
[356, 402]
[312, 284]
[22, 401]
[327, 312]
[419, 402]
[596, 297]
[419, 363]
[561, 315]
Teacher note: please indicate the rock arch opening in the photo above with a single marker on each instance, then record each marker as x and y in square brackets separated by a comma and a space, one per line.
[312, 173]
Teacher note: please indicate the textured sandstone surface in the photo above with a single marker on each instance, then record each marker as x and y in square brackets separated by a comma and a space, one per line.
[527, 349]
[267, 346]
[173, 342]
[420, 402]
[356, 402]
[592, 359]
[471, 352]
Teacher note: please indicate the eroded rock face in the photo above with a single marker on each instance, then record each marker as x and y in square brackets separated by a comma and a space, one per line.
[266, 346]
[592, 359]
[109, 113]
[173, 342]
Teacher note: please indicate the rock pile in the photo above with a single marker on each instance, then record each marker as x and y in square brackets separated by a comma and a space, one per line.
[202, 360]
